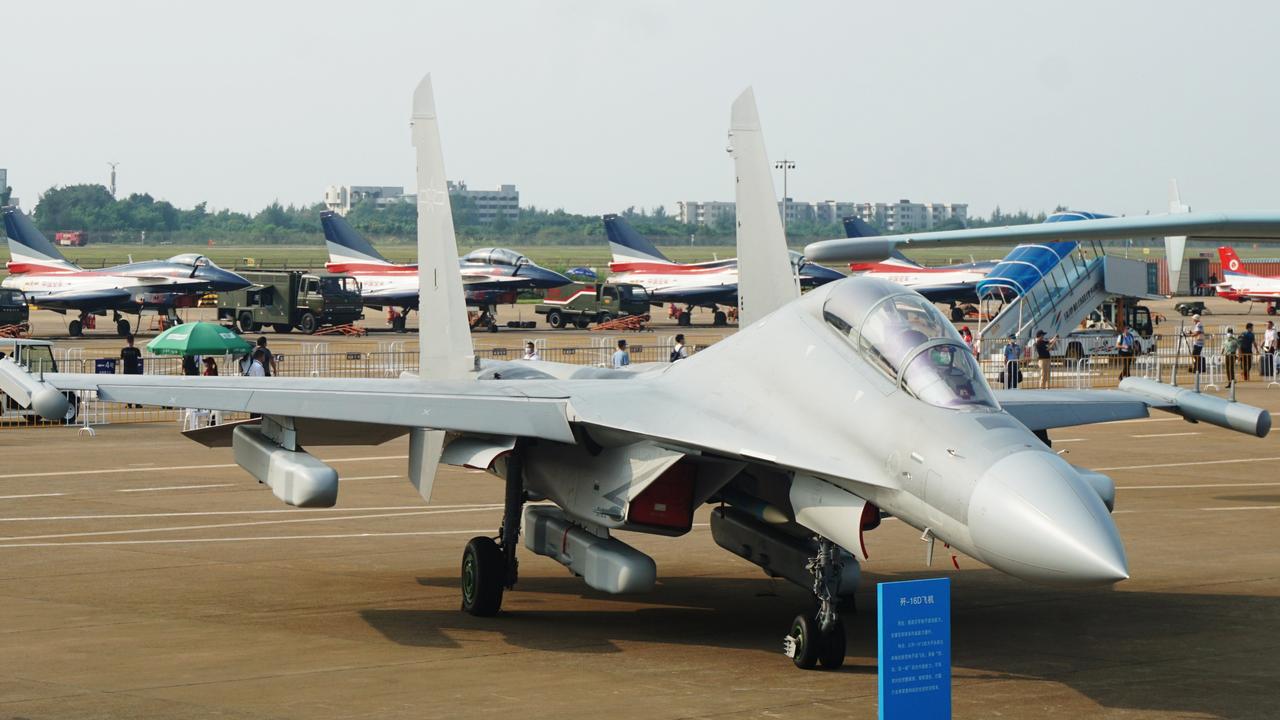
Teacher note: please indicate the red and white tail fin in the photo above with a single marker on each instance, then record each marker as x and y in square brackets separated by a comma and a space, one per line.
[29, 250]
[1231, 263]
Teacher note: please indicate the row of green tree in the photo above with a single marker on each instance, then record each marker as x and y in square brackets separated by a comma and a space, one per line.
[140, 216]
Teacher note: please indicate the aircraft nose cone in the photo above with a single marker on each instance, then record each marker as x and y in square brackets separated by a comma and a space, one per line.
[543, 278]
[223, 280]
[1032, 516]
[814, 274]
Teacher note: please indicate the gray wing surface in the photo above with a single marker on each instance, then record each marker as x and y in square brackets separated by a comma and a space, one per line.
[1256, 226]
[1047, 409]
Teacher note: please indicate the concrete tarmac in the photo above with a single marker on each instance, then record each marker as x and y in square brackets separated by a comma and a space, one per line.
[142, 575]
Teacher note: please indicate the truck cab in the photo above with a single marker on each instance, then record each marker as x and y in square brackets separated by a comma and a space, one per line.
[1097, 335]
[13, 307]
[288, 299]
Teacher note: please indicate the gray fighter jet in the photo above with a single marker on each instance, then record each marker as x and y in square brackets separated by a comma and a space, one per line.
[907, 427]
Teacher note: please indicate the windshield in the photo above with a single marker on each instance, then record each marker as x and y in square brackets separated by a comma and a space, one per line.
[11, 298]
[334, 285]
[496, 256]
[904, 336]
[37, 358]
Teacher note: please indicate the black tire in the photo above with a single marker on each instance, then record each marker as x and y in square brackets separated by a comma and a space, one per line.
[245, 321]
[75, 328]
[804, 633]
[483, 571]
[685, 319]
[282, 328]
[604, 317]
[73, 409]
[308, 323]
[398, 324]
[555, 319]
[831, 655]
[957, 314]
[719, 319]
[582, 322]
[122, 327]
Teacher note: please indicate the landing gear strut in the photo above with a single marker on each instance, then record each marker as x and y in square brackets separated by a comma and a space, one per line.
[122, 325]
[820, 638]
[490, 566]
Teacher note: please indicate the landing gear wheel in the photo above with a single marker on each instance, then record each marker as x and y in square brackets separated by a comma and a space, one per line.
[282, 329]
[73, 409]
[308, 323]
[719, 319]
[122, 327]
[685, 319]
[484, 569]
[957, 314]
[245, 321]
[804, 641]
[398, 324]
[75, 328]
[555, 319]
[1271, 309]
[831, 655]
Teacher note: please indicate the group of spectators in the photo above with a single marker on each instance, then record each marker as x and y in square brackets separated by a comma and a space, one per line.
[257, 363]
[1238, 351]
[621, 356]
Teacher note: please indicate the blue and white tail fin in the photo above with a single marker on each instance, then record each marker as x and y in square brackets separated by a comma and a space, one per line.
[766, 277]
[627, 245]
[29, 250]
[444, 335]
[346, 246]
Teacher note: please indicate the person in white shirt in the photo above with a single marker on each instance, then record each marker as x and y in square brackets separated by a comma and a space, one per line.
[679, 352]
[621, 358]
[255, 367]
[531, 351]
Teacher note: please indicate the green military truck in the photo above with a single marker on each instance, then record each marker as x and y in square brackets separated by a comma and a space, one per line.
[13, 308]
[581, 304]
[288, 299]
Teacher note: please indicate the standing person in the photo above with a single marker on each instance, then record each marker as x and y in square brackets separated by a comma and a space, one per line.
[621, 358]
[130, 360]
[1230, 346]
[1248, 343]
[189, 365]
[256, 367]
[531, 351]
[1197, 344]
[1012, 354]
[210, 366]
[968, 340]
[1270, 344]
[268, 358]
[1042, 347]
[1124, 348]
[679, 352]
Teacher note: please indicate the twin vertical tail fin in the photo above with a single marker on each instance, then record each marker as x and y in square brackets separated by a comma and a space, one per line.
[29, 250]
[346, 246]
[629, 246]
[766, 278]
[444, 335]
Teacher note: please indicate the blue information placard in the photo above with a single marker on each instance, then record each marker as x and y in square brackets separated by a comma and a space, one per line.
[914, 624]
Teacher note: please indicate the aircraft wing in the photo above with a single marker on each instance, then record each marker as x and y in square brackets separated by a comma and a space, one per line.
[81, 299]
[1252, 226]
[1048, 409]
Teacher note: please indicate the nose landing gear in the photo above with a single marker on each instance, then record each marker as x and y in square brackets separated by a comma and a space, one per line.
[819, 637]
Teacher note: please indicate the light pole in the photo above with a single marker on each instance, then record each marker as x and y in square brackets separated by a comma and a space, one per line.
[784, 165]
[113, 178]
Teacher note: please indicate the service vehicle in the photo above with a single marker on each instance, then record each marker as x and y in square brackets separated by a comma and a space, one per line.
[581, 304]
[1098, 336]
[13, 307]
[288, 299]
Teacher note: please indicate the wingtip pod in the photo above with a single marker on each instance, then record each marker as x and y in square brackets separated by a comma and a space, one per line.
[1200, 407]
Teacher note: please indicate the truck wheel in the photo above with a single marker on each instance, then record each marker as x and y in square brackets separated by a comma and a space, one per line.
[308, 323]
[245, 321]
[555, 319]
[282, 329]
[122, 327]
[604, 317]
[582, 322]
[75, 328]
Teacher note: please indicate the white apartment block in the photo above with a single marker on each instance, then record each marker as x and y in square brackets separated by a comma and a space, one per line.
[488, 203]
[892, 217]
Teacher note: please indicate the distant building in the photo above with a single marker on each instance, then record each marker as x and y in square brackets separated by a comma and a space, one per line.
[892, 217]
[488, 203]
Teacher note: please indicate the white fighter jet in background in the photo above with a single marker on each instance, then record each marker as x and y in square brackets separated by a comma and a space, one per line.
[914, 431]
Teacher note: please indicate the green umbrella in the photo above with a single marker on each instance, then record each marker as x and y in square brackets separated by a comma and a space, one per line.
[199, 338]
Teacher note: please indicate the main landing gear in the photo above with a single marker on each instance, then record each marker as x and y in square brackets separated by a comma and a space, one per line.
[489, 566]
[819, 638]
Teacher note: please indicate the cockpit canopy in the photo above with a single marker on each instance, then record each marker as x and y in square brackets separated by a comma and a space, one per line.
[904, 336]
[190, 259]
[496, 256]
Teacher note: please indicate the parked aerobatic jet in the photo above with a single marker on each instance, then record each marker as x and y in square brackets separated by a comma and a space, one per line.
[707, 284]
[1242, 286]
[490, 276]
[796, 480]
[52, 282]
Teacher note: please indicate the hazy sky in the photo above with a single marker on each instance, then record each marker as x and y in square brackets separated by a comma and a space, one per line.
[594, 106]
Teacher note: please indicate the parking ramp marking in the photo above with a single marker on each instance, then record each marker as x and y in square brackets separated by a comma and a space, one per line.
[1204, 485]
[175, 487]
[248, 539]
[1153, 435]
[37, 495]
[1187, 464]
[308, 511]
